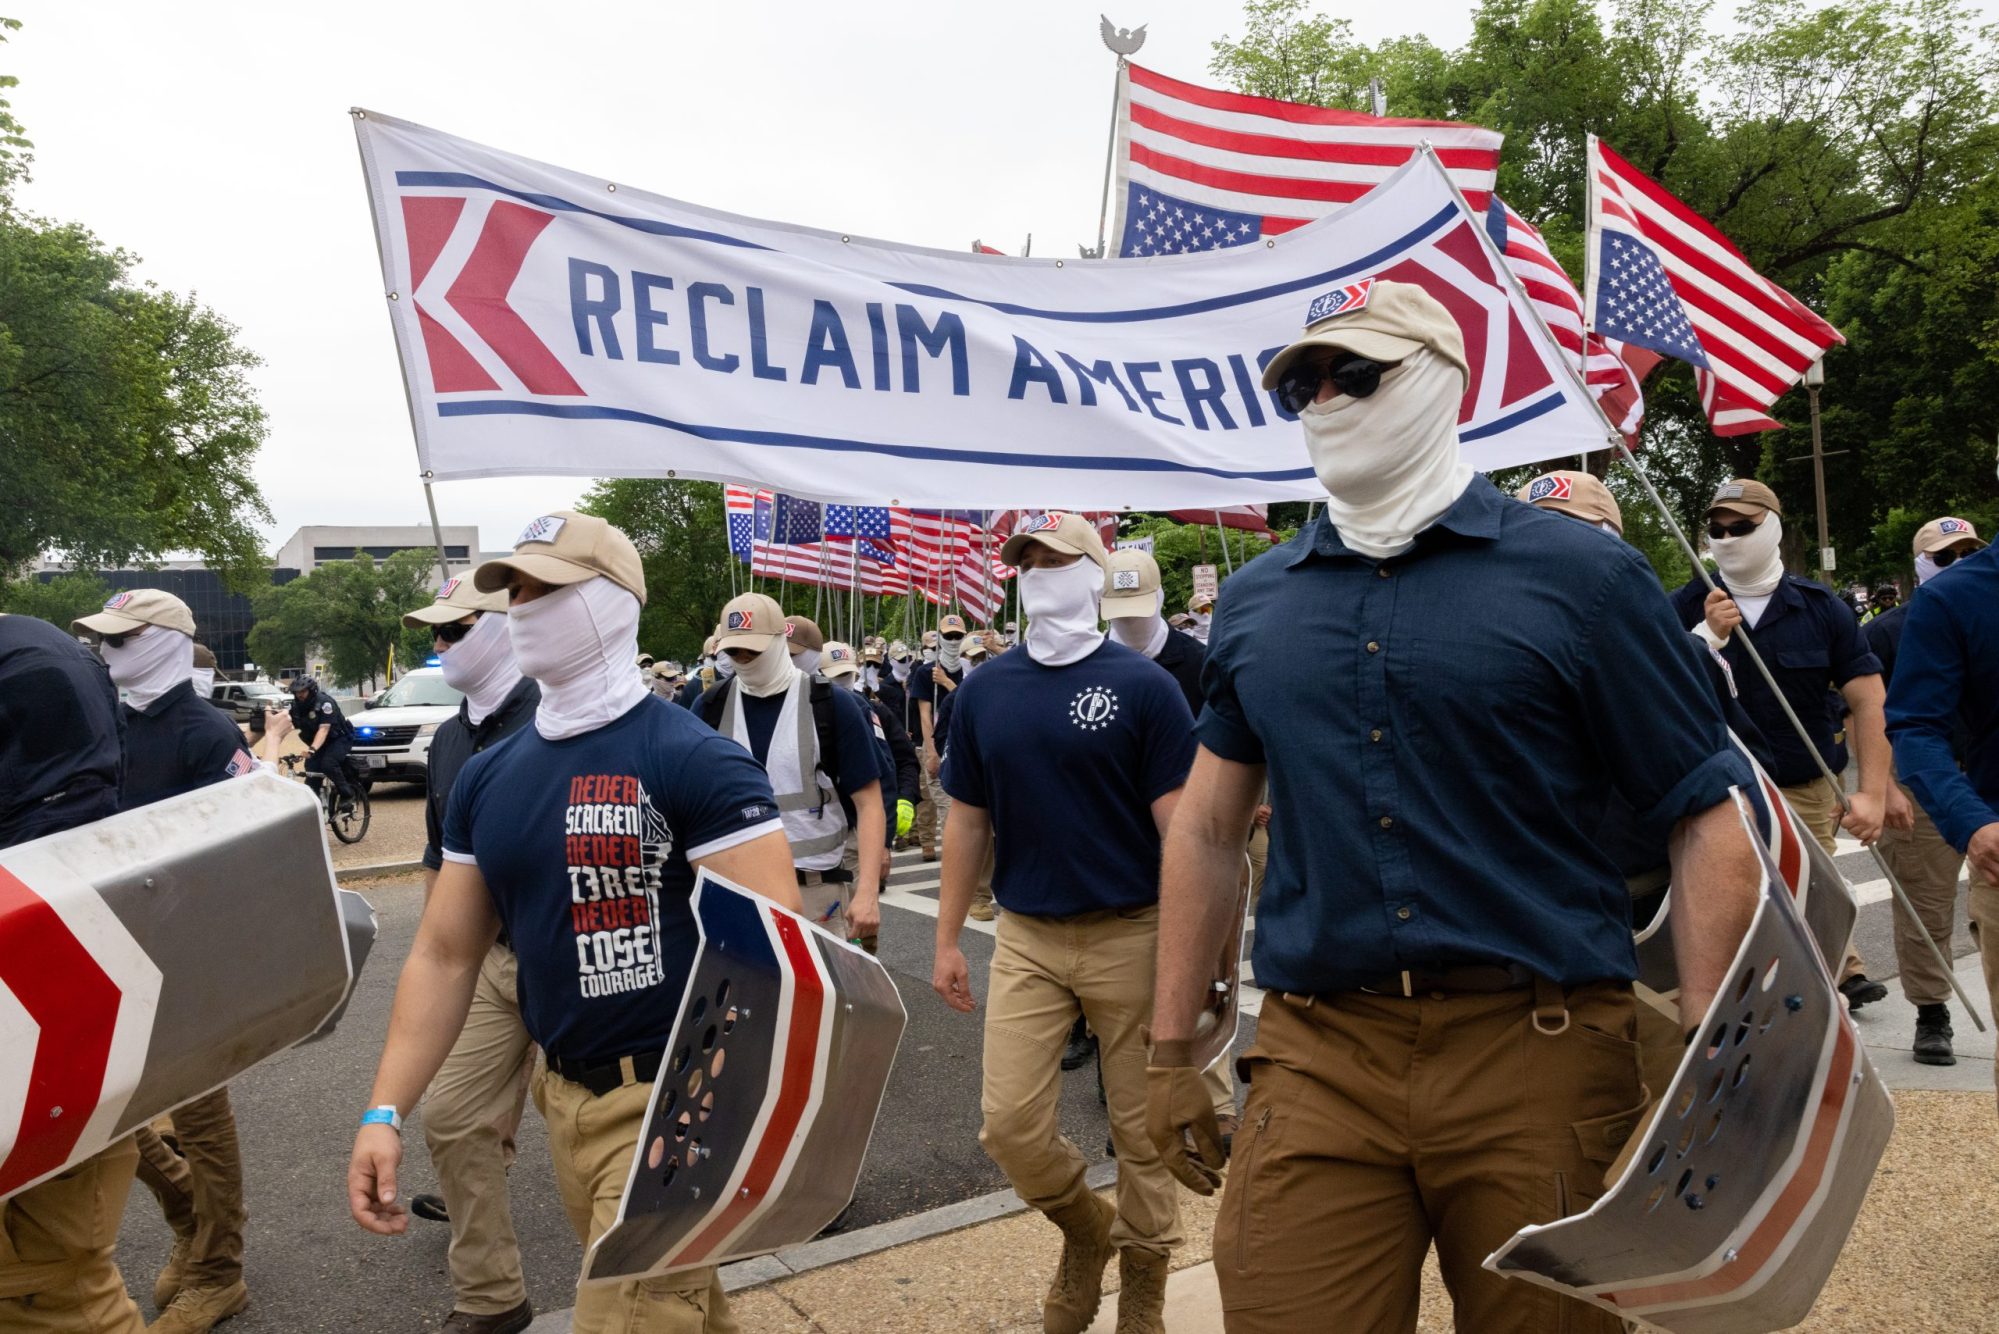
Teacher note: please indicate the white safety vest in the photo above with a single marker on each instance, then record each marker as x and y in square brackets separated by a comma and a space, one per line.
[814, 822]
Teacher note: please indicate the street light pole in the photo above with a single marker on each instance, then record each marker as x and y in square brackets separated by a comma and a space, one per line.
[1814, 380]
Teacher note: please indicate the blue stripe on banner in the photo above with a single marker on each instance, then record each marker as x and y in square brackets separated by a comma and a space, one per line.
[501, 407]
[1539, 407]
[1366, 264]
[458, 180]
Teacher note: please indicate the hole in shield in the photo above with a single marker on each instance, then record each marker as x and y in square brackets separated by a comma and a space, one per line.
[722, 994]
[1770, 973]
[707, 1104]
[1741, 1072]
[715, 1066]
[656, 1153]
[708, 1038]
[729, 1021]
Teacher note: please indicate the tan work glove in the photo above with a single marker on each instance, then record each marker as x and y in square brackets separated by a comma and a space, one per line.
[1180, 1117]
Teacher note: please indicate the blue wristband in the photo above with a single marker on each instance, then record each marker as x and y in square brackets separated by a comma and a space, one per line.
[383, 1116]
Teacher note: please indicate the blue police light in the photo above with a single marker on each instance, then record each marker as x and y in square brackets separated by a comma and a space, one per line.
[364, 731]
[433, 661]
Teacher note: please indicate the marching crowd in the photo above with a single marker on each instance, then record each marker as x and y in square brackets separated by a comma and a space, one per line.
[1449, 745]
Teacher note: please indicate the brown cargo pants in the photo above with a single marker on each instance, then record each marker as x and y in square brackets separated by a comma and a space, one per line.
[1818, 808]
[1376, 1125]
[1928, 868]
[58, 1266]
[200, 1187]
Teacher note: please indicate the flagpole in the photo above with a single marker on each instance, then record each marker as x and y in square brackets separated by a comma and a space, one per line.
[1122, 43]
[1615, 439]
[1222, 534]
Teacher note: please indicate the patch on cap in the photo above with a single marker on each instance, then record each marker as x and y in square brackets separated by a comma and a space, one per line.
[450, 586]
[1041, 523]
[739, 620]
[1731, 491]
[839, 655]
[789, 629]
[543, 529]
[1340, 301]
[1549, 488]
[1121, 580]
[1943, 526]
[117, 600]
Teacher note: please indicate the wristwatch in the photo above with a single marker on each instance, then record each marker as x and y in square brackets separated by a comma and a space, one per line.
[383, 1116]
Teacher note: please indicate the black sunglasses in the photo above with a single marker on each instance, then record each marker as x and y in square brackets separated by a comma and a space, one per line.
[1743, 528]
[1354, 376]
[118, 641]
[453, 631]
[952, 638]
[1944, 559]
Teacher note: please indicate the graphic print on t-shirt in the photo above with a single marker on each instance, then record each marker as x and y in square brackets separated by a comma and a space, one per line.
[615, 843]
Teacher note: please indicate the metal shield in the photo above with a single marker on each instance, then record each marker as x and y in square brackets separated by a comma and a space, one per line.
[762, 1112]
[1745, 1183]
[152, 956]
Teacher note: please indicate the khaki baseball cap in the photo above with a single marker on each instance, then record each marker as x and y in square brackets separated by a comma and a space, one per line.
[838, 659]
[708, 647]
[752, 620]
[804, 633]
[872, 653]
[204, 657]
[564, 547]
[1577, 493]
[975, 647]
[1070, 534]
[929, 639]
[1376, 319]
[898, 650]
[1750, 499]
[950, 625]
[1131, 585]
[1940, 533]
[457, 599]
[127, 611]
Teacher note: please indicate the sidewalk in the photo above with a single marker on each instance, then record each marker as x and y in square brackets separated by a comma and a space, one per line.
[1922, 1255]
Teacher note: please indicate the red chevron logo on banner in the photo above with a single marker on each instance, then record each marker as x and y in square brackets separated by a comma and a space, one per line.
[478, 296]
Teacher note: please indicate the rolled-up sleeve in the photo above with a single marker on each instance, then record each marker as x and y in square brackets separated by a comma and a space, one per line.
[1923, 701]
[1655, 719]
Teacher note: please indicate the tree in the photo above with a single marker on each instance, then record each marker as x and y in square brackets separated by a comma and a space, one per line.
[349, 610]
[127, 422]
[680, 530]
[59, 600]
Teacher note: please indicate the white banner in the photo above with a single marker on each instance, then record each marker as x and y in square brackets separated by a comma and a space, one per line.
[551, 322]
[1135, 544]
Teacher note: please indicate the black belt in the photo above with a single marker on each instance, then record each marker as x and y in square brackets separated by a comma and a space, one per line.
[1478, 978]
[836, 876]
[600, 1077]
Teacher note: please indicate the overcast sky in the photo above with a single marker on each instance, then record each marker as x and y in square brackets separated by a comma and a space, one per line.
[212, 140]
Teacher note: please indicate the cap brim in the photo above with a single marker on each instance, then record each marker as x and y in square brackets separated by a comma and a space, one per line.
[437, 613]
[1748, 509]
[746, 639]
[1010, 553]
[1944, 540]
[1361, 342]
[553, 570]
[1121, 605]
[107, 623]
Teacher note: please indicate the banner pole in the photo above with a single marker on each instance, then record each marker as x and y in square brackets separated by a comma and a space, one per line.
[436, 532]
[1616, 441]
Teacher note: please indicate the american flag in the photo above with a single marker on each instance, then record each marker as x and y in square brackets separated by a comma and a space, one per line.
[1661, 277]
[1612, 382]
[1249, 518]
[1204, 169]
[835, 546]
[953, 559]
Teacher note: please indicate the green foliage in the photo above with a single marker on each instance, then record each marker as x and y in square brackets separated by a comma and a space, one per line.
[681, 533]
[347, 612]
[1850, 150]
[127, 422]
[59, 600]
[1179, 547]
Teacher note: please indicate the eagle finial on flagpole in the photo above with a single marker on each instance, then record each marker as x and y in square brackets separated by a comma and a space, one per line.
[1122, 41]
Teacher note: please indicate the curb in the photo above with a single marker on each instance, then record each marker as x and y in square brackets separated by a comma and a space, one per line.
[811, 1255]
[343, 874]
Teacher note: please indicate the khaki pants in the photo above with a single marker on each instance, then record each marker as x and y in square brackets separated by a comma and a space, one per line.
[1378, 1123]
[1818, 808]
[827, 902]
[470, 1117]
[58, 1267]
[930, 812]
[1985, 930]
[1928, 868]
[200, 1188]
[1044, 971]
[591, 1140]
[1259, 859]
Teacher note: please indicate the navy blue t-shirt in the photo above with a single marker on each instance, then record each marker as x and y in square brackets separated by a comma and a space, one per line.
[1068, 761]
[176, 744]
[586, 845]
[923, 689]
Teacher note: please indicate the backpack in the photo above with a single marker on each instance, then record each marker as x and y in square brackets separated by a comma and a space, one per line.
[820, 693]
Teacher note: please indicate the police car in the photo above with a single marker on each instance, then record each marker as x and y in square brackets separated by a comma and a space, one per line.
[392, 735]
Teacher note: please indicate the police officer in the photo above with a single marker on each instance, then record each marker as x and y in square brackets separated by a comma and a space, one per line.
[602, 750]
[62, 758]
[1813, 646]
[1921, 857]
[1446, 1052]
[325, 732]
[1068, 757]
[175, 742]
[473, 1108]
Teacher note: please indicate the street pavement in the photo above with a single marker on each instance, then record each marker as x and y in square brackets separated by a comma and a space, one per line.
[311, 1269]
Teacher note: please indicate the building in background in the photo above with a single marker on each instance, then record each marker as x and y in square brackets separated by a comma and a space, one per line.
[223, 617]
[309, 548]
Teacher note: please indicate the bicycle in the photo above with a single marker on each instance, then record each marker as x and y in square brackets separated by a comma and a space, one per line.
[349, 823]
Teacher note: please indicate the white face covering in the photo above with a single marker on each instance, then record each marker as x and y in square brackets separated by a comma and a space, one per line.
[806, 660]
[1926, 566]
[1061, 607]
[204, 681]
[1202, 619]
[482, 665]
[899, 669]
[770, 672]
[578, 643]
[1390, 462]
[950, 652]
[1751, 564]
[1142, 634]
[150, 664]
[930, 655]
[725, 666]
[855, 683]
[872, 678]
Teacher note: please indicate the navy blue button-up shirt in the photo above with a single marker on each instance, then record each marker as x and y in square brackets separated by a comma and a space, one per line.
[1812, 644]
[1441, 730]
[1947, 683]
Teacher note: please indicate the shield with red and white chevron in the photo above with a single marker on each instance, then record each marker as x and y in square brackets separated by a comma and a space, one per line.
[767, 1096]
[151, 956]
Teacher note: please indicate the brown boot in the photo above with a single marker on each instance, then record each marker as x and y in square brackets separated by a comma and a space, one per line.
[196, 1310]
[1078, 1288]
[1141, 1294]
[169, 1280]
